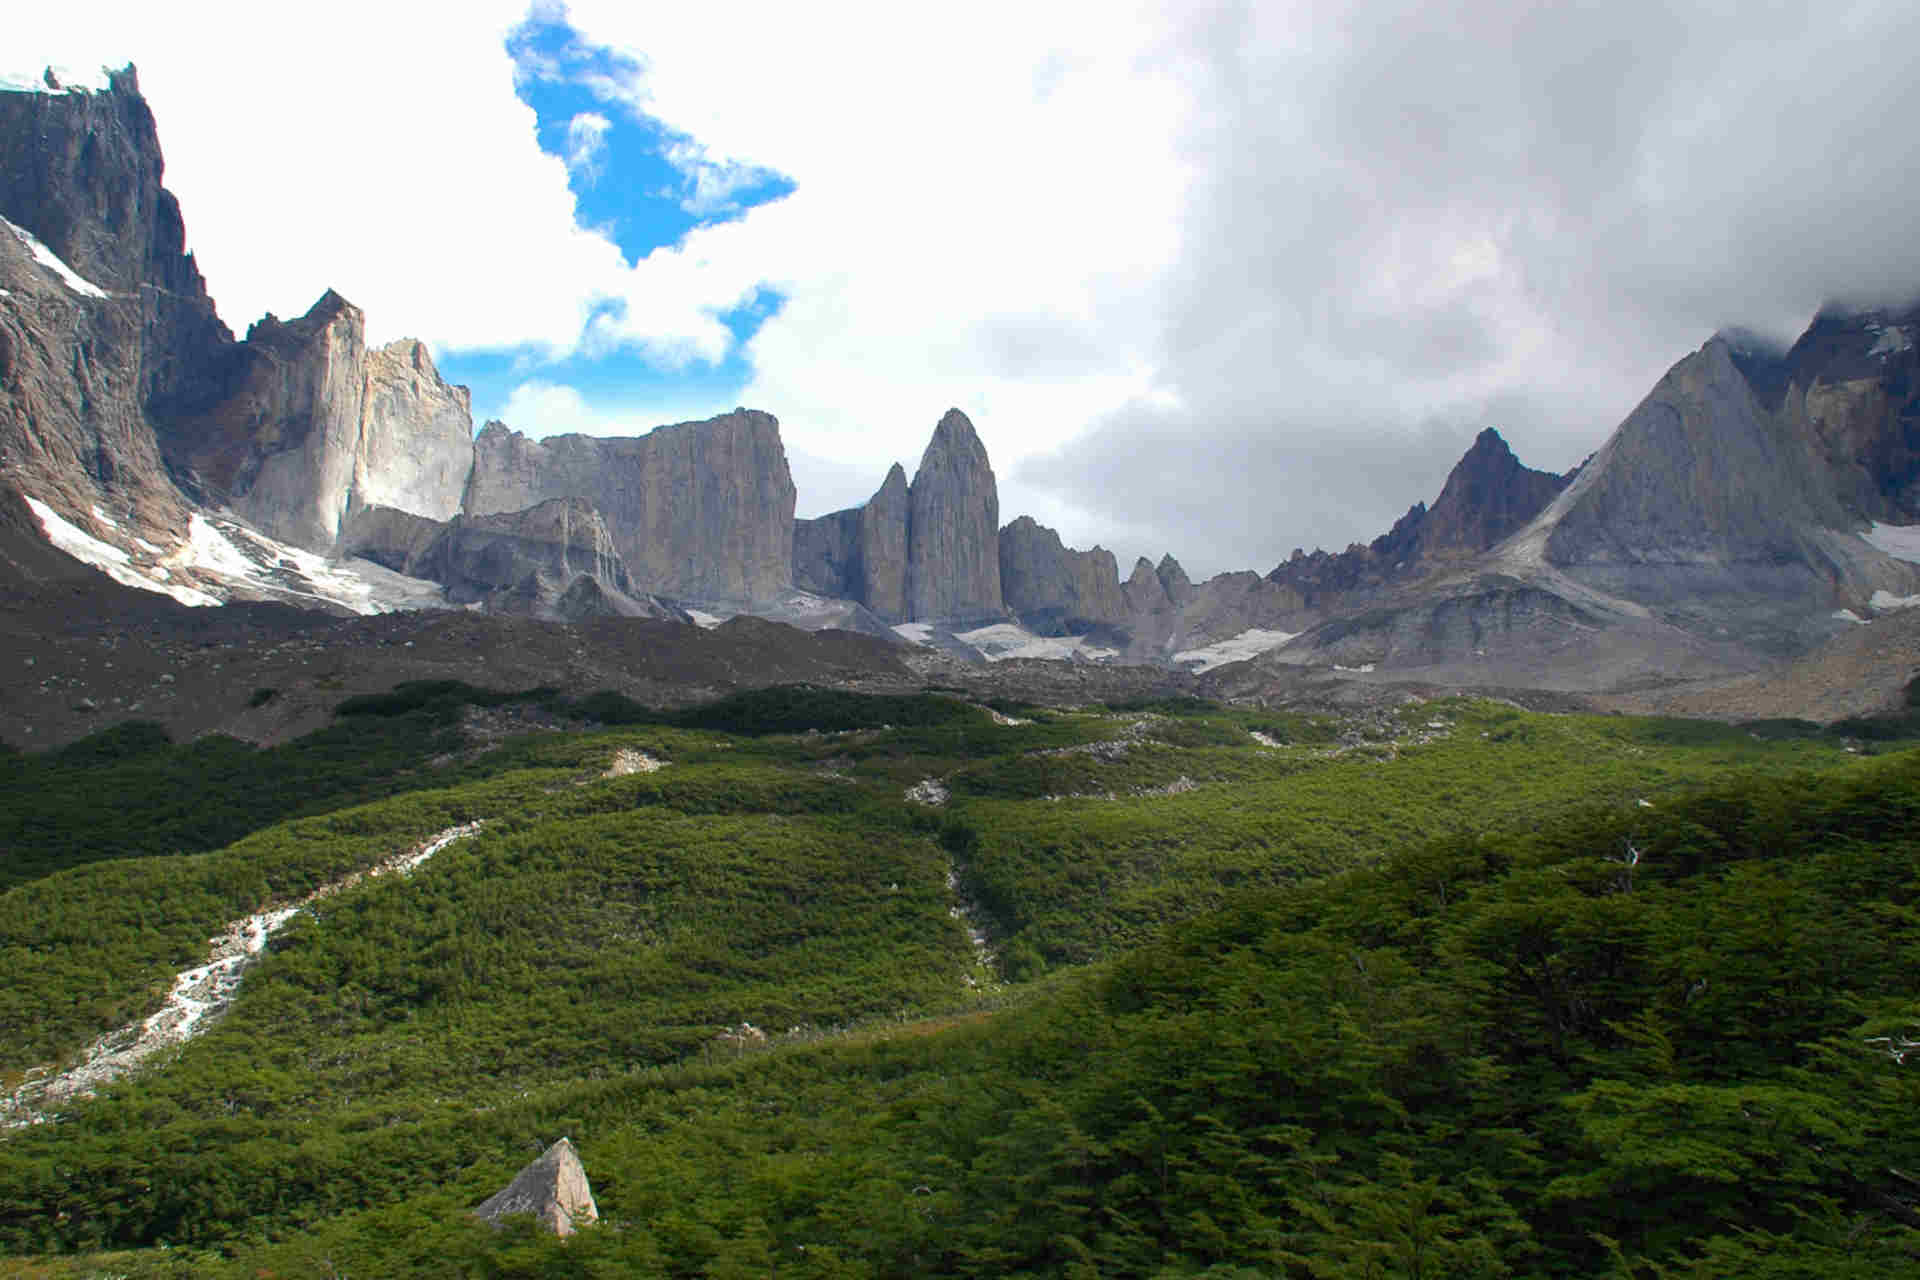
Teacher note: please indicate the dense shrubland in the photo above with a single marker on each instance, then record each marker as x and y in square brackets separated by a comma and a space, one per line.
[1462, 991]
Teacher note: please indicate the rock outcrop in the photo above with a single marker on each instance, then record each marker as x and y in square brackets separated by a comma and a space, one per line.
[553, 1189]
[700, 509]
[953, 557]
[300, 424]
[1055, 590]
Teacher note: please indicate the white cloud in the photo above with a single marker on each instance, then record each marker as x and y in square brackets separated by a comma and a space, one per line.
[540, 408]
[1215, 278]
[587, 143]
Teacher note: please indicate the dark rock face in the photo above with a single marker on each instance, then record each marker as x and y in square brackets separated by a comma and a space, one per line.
[1851, 386]
[701, 509]
[1488, 496]
[389, 537]
[1055, 590]
[953, 557]
[81, 173]
[826, 554]
[300, 424]
[859, 554]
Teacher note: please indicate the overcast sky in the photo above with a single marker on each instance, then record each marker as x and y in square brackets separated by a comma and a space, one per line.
[1215, 279]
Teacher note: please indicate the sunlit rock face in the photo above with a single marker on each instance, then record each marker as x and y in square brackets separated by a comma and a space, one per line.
[701, 509]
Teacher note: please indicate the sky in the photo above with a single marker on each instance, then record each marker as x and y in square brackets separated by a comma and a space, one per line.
[1219, 279]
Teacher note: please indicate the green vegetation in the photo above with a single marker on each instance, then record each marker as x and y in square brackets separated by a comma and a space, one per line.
[1466, 990]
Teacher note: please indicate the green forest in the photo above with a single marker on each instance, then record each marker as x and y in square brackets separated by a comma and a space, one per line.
[1166, 989]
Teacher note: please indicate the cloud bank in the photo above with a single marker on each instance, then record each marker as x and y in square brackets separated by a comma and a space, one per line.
[1219, 279]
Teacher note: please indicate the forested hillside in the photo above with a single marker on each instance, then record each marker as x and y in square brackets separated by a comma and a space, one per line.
[823, 984]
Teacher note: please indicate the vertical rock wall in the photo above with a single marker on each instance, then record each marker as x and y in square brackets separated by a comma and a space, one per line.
[699, 509]
[953, 555]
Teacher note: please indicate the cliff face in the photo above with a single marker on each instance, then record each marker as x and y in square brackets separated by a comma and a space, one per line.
[102, 311]
[953, 557]
[826, 554]
[300, 424]
[82, 172]
[1053, 589]
[860, 553]
[701, 509]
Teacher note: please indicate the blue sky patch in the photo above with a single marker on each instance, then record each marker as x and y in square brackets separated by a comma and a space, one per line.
[644, 186]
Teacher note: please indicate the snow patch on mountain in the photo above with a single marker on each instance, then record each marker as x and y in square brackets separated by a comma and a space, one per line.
[254, 564]
[111, 560]
[51, 261]
[1004, 640]
[15, 78]
[1249, 643]
[1901, 541]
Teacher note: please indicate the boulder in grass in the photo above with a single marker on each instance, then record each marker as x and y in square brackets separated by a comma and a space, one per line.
[553, 1189]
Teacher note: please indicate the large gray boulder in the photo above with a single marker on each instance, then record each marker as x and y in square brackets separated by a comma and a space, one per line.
[700, 509]
[1053, 589]
[558, 540]
[553, 1189]
[953, 556]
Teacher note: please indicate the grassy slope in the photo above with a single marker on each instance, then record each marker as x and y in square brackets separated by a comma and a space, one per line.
[567, 971]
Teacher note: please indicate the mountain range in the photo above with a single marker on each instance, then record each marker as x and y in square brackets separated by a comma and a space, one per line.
[1757, 504]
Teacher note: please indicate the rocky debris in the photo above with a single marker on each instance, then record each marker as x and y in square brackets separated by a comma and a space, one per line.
[953, 557]
[1054, 590]
[930, 792]
[553, 1189]
[629, 760]
[300, 423]
[702, 510]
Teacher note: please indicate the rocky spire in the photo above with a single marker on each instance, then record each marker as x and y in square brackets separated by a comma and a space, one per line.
[1487, 496]
[883, 547]
[953, 557]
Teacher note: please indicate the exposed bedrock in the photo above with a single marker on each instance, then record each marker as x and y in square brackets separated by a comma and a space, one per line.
[1054, 589]
[953, 556]
[700, 509]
